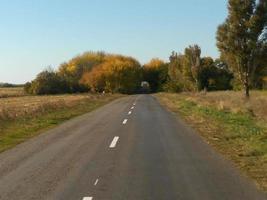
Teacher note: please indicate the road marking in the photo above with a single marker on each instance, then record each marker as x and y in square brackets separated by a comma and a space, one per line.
[96, 181]
[132, 108]
[114, 142]
[87, 198]
[130, 112]
[134, 104]
[125, 121]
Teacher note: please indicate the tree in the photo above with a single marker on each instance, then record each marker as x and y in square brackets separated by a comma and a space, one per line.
[192, 54]
[95, 79]
[240, 41]
[47, 82]
[74, 70]
[214, 75]
[156, 74]
[261, 71]
[116, 74]
[180, 75]
[81, 63]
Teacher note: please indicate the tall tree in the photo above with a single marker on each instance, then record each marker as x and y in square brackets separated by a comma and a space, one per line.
[193, 53]
[240, 41]
[179, 74]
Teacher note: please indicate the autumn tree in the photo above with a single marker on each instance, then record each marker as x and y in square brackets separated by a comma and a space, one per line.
[74, 69]
[81, 63]
[155, 73]
[116, 74]
[240, 41]
[95, 79]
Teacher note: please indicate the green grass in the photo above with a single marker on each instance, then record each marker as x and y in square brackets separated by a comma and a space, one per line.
[13, 132]
[243, 125]
[239, 136]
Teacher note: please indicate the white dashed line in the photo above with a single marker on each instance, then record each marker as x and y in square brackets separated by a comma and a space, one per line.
[87, 198]
[134, 104]
[96, 182]
[125, 121]
[114, 142]
[130, 112]
[132, 108]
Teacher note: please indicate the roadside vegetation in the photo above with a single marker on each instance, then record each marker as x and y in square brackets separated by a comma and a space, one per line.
[235, 127]
[92, 71]
[24, 117]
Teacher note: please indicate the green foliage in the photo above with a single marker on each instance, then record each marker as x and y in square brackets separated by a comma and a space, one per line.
[236, 84]
[172, 86]
[47, 82]
[180, 75]
[214, 75]
[236, 125]
[259, 78]
[238, 39]
[10, 85]
[193, 60]
[28, 88]
[156, 74]
[190, 72]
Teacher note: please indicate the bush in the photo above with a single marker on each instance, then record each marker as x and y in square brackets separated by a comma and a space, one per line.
[27, 88]
[47, 82]
[173, 86]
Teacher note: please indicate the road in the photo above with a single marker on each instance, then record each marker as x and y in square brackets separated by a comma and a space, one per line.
[130, 149]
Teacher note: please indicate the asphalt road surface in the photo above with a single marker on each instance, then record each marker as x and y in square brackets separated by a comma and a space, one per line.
[130, 149]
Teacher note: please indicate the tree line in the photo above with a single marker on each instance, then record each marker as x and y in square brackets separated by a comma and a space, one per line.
[91, 71]
[10, 85]
[241, 40]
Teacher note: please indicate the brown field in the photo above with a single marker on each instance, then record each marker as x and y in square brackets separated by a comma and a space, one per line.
[12, 108]
[12, 92]
[24, 117]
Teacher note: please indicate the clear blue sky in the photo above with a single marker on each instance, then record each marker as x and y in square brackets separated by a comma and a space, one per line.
[35, 34]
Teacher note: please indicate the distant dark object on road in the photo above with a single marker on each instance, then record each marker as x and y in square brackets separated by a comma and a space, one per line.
[145, 87]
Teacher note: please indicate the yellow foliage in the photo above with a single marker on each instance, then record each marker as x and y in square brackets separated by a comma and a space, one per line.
[155, 63]
[116, 74]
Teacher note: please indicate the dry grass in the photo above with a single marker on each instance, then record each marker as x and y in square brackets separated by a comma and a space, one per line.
[12, 108]
[22, 118]
[233, 101]
[12, 92]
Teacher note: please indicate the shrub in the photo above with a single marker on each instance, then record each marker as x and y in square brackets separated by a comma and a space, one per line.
[47, 82]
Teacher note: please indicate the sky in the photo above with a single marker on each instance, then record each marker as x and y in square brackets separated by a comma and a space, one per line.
[35, 34]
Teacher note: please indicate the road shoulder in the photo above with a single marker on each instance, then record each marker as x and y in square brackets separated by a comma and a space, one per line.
[240, 143]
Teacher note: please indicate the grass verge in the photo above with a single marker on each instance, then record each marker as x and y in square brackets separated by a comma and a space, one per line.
[15, 131]
[239, 136]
